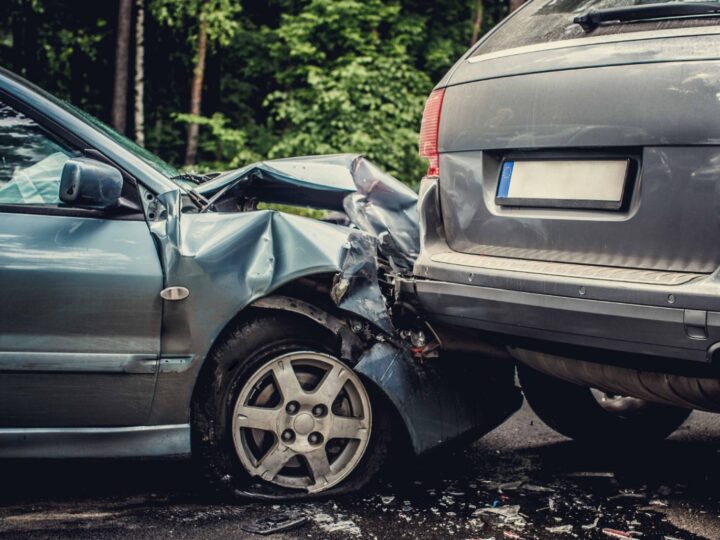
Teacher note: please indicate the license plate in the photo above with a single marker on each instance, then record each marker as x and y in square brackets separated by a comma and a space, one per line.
[586, 183]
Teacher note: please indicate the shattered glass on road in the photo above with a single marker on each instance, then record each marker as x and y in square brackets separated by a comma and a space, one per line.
[505, 487]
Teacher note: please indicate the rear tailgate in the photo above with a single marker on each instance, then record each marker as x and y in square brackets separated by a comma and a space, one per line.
[649, 100]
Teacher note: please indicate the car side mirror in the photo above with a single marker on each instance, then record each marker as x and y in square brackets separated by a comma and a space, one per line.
[87, 183]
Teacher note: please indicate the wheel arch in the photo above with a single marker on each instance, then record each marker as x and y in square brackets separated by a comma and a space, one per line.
[303, 298]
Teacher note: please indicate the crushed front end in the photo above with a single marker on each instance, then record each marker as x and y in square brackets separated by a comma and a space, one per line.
[443, 385]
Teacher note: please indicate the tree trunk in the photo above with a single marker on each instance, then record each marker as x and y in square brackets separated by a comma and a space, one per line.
[119, 107]
[140, 73]
[514, 4]
[477, 22]
[19, 48]
[196, 94]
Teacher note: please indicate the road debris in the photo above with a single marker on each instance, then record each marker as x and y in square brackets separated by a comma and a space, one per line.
[338, 523]
[591, 474]
[509, 514]
[282, 522]
[614, 533]
[457, 499]
[627, 495]
[560, 529]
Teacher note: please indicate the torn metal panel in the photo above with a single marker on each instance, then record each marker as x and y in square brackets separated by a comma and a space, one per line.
[387, 209]
[374, 201]
[352, 346]
[229, 258]
[226, 261]
[441, 401]
[356, 288]
[318, 181]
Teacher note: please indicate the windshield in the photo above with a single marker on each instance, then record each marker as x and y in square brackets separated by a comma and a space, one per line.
[543, 21]
[148, 157]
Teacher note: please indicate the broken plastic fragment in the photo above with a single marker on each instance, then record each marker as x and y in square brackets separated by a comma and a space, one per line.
[560, 529]
[614, 533]
[356, 288]
[510, 510]
[274, 524]
[509, 514]
[592, 525]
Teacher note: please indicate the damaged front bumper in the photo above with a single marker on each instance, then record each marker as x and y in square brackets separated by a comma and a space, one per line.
[243, 257]
[455, 398]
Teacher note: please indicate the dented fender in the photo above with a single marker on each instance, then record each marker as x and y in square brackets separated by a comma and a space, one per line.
[229, 259]
[444, 400]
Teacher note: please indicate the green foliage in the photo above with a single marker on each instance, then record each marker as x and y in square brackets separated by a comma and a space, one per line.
[283, 77]
[69, 43]
[351, 84]
[229, 145]
[220, 16]
[367, 105]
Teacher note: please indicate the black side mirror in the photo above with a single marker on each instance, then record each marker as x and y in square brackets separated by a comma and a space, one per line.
[87, 183]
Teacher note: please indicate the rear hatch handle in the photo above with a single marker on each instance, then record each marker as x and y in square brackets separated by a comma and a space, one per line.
[661, 10]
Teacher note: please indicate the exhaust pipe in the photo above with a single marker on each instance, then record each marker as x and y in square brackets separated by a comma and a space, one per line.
[679, 390]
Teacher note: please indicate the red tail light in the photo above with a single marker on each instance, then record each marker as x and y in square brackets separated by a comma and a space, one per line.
[429, 131]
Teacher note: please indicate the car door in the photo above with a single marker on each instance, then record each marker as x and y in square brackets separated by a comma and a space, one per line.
[79, 294]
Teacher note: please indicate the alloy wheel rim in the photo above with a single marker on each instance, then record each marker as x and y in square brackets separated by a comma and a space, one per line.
[302, 420]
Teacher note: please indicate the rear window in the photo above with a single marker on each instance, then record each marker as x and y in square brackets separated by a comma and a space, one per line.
[543, 21]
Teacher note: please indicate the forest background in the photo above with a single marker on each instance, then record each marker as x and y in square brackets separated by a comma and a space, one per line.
[215, 84]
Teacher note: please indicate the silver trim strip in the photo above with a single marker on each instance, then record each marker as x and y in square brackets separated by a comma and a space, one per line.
[582, 42]
[175, 364]
[78, 362]
[561, 269]
[135, 441]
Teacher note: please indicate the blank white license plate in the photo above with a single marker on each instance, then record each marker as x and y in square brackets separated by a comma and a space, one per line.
[583, 183]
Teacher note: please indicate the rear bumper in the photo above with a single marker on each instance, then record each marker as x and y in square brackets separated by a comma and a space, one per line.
[675, 317]
[631, 328]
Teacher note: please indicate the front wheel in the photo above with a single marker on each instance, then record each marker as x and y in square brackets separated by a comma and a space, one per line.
[277, 414]
[592, 416]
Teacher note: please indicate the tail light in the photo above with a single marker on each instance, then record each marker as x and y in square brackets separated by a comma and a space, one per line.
[429, 131]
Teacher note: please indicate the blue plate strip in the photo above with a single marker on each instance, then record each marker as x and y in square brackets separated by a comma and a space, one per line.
[505, 176]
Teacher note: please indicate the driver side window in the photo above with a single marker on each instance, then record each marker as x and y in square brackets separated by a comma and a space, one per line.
[31, 162]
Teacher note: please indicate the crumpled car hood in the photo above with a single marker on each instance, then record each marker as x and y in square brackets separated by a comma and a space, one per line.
[374, 201]
[236, 255]
[229, 256]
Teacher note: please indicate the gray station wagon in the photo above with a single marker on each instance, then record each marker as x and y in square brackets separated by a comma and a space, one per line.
[571, 208]
[145, 312]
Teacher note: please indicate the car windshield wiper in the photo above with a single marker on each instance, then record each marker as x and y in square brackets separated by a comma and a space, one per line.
[593, 18]
[195, 178]
[197, 199]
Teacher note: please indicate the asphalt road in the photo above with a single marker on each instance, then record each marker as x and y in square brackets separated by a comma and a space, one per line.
[536, 483]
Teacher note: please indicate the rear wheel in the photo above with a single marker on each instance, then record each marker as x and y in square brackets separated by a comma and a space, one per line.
[590, 415]
[277, 414]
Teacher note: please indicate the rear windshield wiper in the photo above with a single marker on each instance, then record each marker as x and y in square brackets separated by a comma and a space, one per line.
[593, 18]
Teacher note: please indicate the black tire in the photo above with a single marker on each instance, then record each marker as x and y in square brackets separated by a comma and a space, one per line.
[241, 351]
[575, 412]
